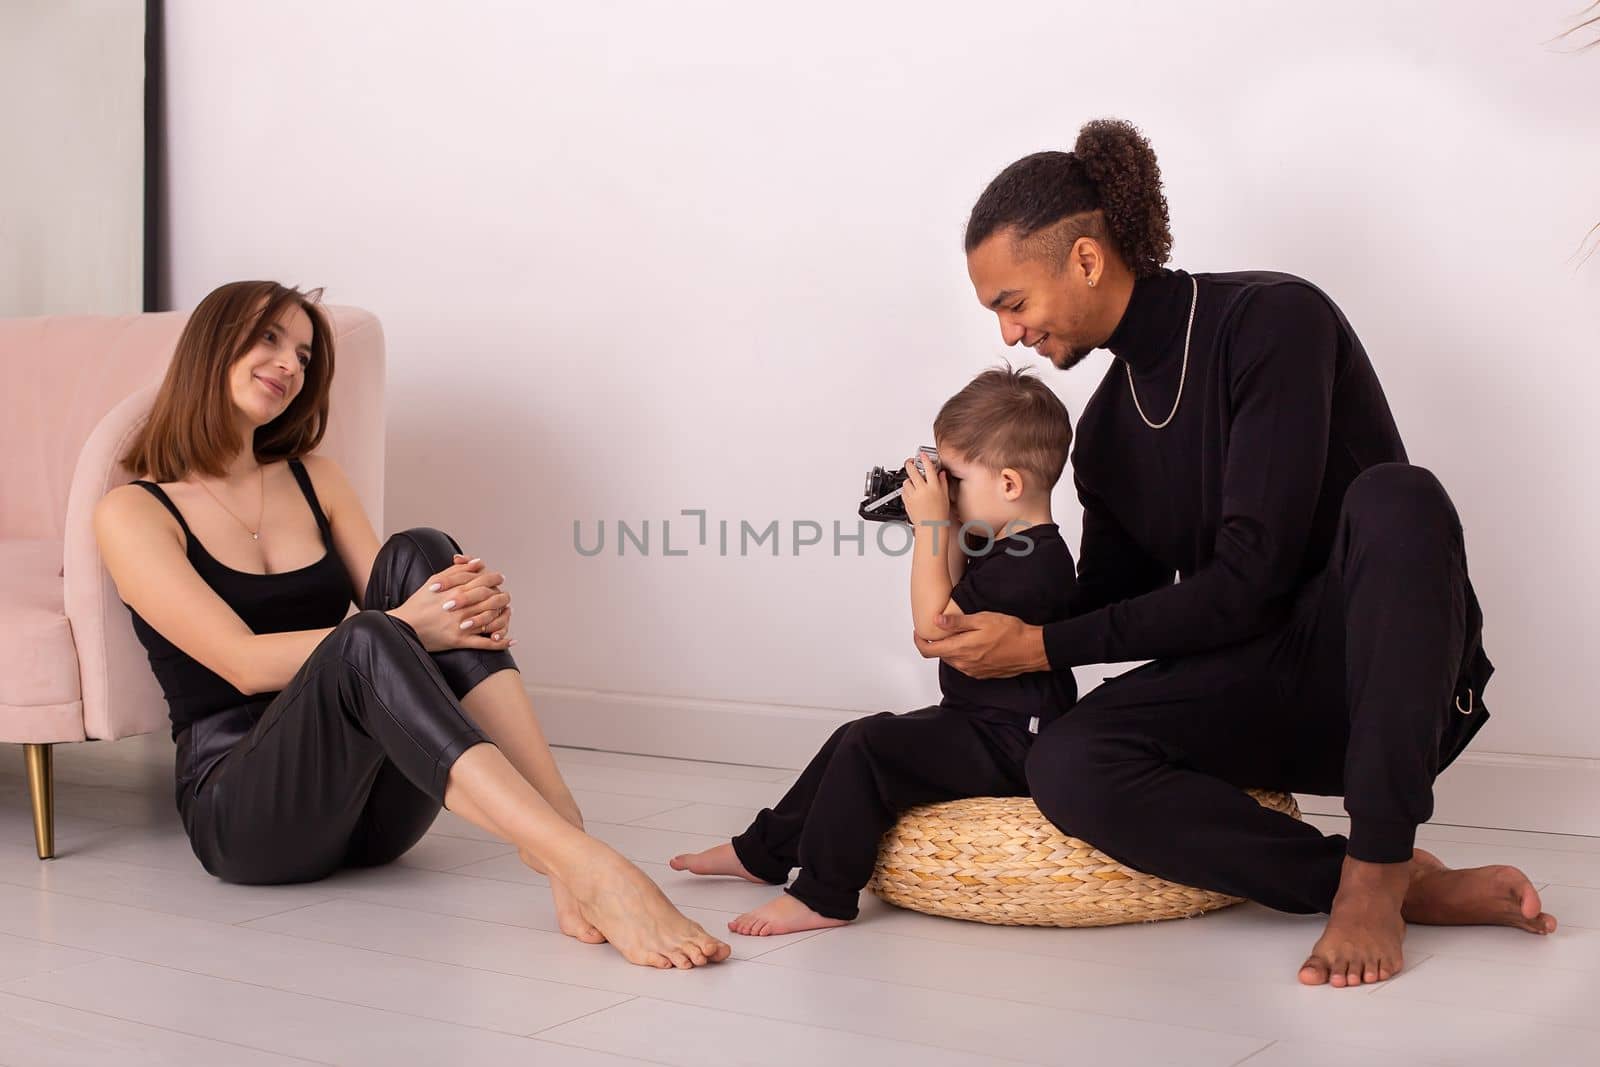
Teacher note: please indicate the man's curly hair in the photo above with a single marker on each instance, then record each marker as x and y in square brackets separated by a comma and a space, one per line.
[1108, 187]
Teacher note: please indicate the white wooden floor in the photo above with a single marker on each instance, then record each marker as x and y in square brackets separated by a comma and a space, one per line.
[123, 951]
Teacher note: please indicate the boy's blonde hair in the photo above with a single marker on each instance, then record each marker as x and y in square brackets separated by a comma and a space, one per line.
[1006, 417]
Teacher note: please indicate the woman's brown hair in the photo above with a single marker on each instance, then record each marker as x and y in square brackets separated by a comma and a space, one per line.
[191, 425]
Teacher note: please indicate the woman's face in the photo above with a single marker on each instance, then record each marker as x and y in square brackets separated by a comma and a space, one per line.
[270, 375]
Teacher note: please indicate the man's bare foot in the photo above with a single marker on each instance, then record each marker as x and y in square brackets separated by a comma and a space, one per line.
[719, 860]
[1479, 896]
[1365, 931]
[631, 912]
[785, 914]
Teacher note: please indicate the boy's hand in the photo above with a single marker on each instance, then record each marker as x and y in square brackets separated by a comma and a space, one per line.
[926, 496]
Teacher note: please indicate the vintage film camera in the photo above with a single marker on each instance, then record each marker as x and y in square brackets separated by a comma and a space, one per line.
[881, 500]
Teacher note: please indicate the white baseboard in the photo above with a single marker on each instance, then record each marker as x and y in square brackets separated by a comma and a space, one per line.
[1508, 791]
[1547, 794]
[720, 731]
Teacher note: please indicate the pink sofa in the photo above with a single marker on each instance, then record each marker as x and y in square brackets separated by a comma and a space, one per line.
[70, 666]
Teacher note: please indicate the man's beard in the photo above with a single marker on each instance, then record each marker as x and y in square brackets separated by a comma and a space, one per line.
[1071, 359]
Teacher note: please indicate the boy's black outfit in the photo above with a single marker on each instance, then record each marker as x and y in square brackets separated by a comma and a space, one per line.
[974, 742]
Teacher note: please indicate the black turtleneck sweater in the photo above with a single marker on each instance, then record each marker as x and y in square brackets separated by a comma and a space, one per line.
[1240, 494]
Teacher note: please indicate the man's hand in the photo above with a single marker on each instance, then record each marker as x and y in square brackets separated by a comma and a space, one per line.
[987, 645]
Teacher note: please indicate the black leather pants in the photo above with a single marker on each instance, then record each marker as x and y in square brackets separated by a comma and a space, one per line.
[346, 766]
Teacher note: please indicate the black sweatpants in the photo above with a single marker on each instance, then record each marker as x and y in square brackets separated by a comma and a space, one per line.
[1369, 690]
[347, 765]
[830, 821]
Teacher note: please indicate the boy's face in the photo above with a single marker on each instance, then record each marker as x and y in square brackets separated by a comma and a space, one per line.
[978, 494]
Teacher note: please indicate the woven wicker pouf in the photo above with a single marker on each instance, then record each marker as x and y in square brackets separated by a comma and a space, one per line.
[998, 860]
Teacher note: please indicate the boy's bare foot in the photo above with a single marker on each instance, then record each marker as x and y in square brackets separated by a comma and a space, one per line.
[719, 860]
[783, 915]
[631, 912]
[1480, 896]
[1364, 933]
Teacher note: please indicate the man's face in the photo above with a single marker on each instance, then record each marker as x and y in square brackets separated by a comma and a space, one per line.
[1052, 312]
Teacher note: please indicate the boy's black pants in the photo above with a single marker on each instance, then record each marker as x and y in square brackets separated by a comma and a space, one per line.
[830, 821]
[1372, 686]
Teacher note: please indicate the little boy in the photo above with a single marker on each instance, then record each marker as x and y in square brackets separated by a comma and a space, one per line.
[1002, 443]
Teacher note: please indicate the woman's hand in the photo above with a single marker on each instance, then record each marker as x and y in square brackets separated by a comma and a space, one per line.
[460, 607]
[486, 620]
[926, 496]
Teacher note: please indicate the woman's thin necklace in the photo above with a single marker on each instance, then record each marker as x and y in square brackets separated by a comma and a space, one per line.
[255, 535]
[1183, 374]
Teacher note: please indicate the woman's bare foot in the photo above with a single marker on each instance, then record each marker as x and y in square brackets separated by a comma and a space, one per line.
[1480, 896]
[784, 914]
[631, 912]
[719, 860]
[569, 916]
[1365, 931]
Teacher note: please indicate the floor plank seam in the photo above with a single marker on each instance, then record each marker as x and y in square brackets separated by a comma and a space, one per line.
[124, 904]
[165, 1029]
[1253, 1055]
[467, 966]
[579, 1018]
[1026, 1003]
[285, 911]
[677, 806]
[825, 1027]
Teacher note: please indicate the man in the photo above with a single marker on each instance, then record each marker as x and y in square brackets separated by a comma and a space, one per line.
[1323, 636]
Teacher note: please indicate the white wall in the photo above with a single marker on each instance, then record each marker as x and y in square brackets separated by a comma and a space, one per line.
[635, 258]
[71, 157]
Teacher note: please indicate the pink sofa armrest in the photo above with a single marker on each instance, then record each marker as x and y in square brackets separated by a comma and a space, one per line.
[120, 695]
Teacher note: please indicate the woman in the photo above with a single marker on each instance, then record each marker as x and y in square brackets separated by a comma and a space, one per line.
[308, 741]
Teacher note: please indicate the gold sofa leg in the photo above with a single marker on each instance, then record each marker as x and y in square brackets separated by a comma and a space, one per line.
[41, 788]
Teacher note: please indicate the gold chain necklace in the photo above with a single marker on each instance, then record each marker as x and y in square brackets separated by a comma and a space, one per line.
[1194, 302]
[255, 535]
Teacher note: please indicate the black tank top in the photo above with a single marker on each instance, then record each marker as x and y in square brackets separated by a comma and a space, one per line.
[314, 597]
